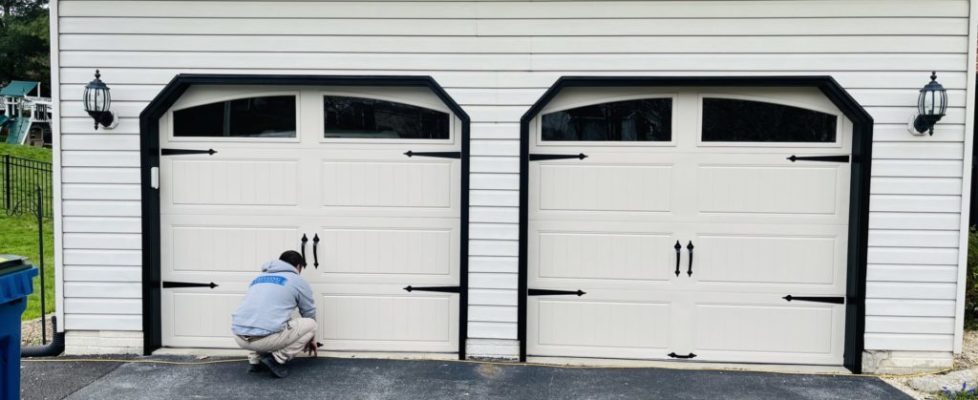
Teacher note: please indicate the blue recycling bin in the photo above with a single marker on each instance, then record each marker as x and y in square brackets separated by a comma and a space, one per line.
[16, 282]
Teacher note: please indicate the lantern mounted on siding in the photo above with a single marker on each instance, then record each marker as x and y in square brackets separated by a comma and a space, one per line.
[97, 102]
[931, 106]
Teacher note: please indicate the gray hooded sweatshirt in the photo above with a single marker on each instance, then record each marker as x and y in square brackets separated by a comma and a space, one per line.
[271, 298]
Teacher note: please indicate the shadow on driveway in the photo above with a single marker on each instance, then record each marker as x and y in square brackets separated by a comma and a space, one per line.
[430, 380]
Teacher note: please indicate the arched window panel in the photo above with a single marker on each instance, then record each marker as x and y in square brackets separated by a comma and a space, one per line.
[644, 120]
[256, 117]
[364, 118]
[735, 120]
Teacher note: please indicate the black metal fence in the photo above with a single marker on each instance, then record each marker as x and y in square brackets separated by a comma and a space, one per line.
[20, 179]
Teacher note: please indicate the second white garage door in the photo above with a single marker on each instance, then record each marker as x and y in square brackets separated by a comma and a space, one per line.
[322, 170]
[686, 226]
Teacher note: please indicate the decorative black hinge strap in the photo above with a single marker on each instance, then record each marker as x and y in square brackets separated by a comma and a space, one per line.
[817, 299]
[178, 152]
[542, 157]
[443, 289]
[674, 355]
[548, 292]
[438, 154]
[842, 159]
[168, 285]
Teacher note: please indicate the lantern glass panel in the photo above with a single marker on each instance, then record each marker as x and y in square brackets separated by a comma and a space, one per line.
[926, 99]
[97, 99]
[89, 101]
[943, 103]
[106, 100]
[933, 100]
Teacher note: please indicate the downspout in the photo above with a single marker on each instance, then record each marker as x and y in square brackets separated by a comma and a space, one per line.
[52, 349]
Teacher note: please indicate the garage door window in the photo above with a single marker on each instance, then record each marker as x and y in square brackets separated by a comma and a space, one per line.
[363, 118]
[259, 117]
[645, 120]
[734, 120]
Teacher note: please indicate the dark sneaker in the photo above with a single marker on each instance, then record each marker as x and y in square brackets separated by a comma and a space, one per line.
[256, 368]
[279, 370]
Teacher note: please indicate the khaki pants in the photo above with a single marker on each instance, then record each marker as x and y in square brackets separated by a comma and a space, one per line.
[283, 345]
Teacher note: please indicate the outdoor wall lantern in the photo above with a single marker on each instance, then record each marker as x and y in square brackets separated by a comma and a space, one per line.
[931, 106]
[97, 102]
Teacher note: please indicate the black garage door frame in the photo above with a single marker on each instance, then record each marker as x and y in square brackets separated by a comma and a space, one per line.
[150, 158]
[861, 160]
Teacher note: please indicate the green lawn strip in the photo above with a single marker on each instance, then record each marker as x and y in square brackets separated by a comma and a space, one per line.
[25, 152]
[28, 152]
[18, 235]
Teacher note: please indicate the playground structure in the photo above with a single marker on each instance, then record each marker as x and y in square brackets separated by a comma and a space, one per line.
[25, 118]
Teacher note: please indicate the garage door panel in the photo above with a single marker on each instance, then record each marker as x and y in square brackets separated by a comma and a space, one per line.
[227, 248]
[208, 326]
[428, 184]
[589, 328]
[388, 251]
[604, 256]
[605, 187]
[752, 259]
[383, 221]
[752, 331]
[414, 322]
[767, 189]
[752, 225]
[234, 182]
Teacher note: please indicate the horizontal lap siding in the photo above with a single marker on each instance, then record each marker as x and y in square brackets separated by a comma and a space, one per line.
[498, 58]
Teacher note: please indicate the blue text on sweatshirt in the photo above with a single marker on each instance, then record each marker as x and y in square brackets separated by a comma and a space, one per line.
[271, 298]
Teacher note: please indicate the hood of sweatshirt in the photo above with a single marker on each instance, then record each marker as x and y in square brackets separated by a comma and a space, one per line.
[277, 266]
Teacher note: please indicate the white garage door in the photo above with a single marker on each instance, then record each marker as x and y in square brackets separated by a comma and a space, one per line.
[324, 171]
[686, 225]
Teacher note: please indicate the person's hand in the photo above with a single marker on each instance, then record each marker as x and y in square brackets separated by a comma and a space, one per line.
[311, 348]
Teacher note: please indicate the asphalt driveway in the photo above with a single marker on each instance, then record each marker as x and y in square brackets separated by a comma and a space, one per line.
[428, 380]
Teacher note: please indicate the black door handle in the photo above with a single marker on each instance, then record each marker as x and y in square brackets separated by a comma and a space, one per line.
[689, 247]
[674, 355]
[315, 251]
[678, 248]
[304, 241]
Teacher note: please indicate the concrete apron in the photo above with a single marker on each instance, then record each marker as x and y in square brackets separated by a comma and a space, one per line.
[543, 361]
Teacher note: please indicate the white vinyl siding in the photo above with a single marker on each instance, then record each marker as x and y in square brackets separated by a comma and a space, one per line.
[496, 59]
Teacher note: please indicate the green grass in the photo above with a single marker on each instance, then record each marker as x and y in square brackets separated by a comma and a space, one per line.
[28, 152]
[18, 235]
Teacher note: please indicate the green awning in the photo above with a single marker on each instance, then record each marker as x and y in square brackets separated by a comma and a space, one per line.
[18, 89]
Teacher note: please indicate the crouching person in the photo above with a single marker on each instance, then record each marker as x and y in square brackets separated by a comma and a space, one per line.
[264, 324]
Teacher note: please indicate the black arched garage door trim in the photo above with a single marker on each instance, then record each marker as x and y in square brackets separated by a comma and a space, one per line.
[150, 158]
[858, 199]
